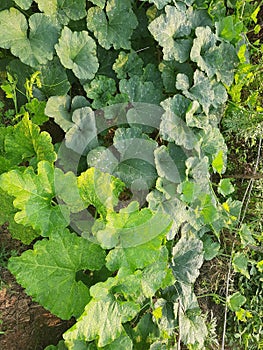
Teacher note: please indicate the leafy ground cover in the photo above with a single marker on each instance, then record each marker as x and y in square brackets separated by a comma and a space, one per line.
[114, 172]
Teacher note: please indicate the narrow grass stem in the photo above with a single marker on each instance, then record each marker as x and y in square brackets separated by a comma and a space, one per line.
[241, 217]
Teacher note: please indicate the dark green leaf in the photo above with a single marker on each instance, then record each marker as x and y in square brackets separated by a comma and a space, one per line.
[187, 259]
[211, 248]
[54, 79]
[140, 91]
[115, 26]
[166, 166]
[127, 65]
[24, 234]
[101, 90]
[63, 10]
[235, 301]
[173, 127]
[240, 264]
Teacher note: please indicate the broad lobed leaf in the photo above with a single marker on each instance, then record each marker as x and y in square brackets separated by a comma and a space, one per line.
[33, 197]
[25, 141]
[102, 320]
[100, 190]
[115, 26]
[37, 48]
[51, 278]
[77, 51]
[132, 227]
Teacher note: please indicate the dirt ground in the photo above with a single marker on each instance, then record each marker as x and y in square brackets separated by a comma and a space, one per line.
[24, 325]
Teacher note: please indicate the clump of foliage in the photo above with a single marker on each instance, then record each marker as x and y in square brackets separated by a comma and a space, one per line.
[242, 128]
[124, 207]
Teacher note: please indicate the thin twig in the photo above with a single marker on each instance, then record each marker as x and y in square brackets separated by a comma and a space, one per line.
[179, 325]
[241, 218]
[244, 176]
[251, 182]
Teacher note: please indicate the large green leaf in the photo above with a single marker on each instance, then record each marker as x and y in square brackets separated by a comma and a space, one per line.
[54, 79]
[163, 314]
[230, 28]
[187, 313]
[103, 159]
[208, 92]
[34, 198]
[145, 116]
[83, 134]
[123, 342]
[240, 264]
[173, 127]
[132, 227]
[187, 259]
[214, 146]
[160, 3]
[170, 205]
[134, 164]
[67, 191]
[141, 91]
[127, 65]
[50, 278]
[209, 211]
[58, 107]
[35, 48]
[225, 187]
[192, 324]
[36, 110]
[102, 320]
[137, 257]
[136, 285]
[235, 301]
[24, 4]
[137, 174]
[100, 3]
[172, 24]
[100, 190]
[64, 10]
[24, 234]
[115, 26]
[210, 57]
[77, 51]
[170, 163]
[136, 157]
[170, 69]
[211, 248]
[26, 141]
[62, 107]
[157, 275]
